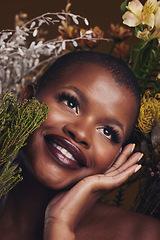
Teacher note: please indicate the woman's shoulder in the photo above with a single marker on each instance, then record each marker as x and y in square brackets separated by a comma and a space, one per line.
[104, 221]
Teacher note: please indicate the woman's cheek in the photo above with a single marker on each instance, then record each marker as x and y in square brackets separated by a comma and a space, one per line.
[105, 155]
[55, 117]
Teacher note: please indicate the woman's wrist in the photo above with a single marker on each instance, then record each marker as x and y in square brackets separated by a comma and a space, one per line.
[56, 230]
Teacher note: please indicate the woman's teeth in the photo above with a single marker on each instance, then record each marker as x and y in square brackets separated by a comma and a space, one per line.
[65, 152]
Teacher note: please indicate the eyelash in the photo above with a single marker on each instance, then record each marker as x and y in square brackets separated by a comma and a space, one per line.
[62, 97]
[115, 136]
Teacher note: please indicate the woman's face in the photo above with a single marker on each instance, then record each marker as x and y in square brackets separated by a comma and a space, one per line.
[90, 118]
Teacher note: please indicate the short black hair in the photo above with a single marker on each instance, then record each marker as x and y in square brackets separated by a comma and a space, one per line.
[121, 73]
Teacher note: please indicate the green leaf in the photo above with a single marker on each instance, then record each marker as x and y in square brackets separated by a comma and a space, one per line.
[123, 6]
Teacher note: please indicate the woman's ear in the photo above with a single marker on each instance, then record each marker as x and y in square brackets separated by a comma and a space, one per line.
[28, 92]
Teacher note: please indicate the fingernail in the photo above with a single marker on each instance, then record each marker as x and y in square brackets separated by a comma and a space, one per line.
[133, 147]
[120, 150]
[140, 157]
[137, 168]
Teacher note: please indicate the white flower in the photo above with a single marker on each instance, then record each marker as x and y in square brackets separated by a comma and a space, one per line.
[132, 17]
[138, 14]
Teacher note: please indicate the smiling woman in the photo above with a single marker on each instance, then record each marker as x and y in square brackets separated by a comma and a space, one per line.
[75, 155]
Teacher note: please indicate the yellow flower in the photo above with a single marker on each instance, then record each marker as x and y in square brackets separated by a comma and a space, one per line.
[149, 12]
[138, 14]
[149, 112]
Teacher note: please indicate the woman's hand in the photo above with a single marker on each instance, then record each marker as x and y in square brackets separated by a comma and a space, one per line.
[65, 211]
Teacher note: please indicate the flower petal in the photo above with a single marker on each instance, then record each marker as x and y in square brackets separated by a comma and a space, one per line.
[157, 18]
[156, 34]
[151, 4]
[130, 19]
[135, 7]
[149, 20]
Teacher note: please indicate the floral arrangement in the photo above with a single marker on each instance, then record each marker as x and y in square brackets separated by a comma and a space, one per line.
[25, 55]
[143, 57]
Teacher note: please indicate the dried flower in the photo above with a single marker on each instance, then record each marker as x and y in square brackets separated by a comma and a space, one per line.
[96, 33]
[20, 19]
[68, 32]
[24, 51]
[119, 33]
[122, 50]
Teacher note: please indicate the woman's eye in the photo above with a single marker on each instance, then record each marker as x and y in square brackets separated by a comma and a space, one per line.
[72, 104]
[70, 101]
[111, 134]
[107, 133]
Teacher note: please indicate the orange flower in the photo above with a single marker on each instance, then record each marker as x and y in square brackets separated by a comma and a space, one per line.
[119, 33]
[68, 32]
[122, 50]
[96, 33]
[67, 29]
[20, 19]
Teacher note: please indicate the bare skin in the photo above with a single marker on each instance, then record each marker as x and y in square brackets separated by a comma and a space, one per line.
[58, 196]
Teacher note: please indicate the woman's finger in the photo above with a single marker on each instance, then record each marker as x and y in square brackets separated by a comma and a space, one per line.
[135, 158]
[123, 157]
[113, 181]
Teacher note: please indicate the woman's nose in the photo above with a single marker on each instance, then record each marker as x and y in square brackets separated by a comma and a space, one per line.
[79, 132]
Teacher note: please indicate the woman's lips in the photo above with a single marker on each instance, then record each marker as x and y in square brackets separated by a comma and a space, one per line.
[65, 152]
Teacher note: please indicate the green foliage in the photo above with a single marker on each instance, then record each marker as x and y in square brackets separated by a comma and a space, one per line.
[146, 65]
[123, 6]
[9, 177]
[17, 122]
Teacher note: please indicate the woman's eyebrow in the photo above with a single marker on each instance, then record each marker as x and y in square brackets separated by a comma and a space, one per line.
[79, 93]
[116, 122]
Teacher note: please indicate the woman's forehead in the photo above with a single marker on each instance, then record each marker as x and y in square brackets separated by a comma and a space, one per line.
[96, 85]
[90, 80]
[81, 74]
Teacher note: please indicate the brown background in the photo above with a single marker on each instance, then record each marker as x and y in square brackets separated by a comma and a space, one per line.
[100, 12]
